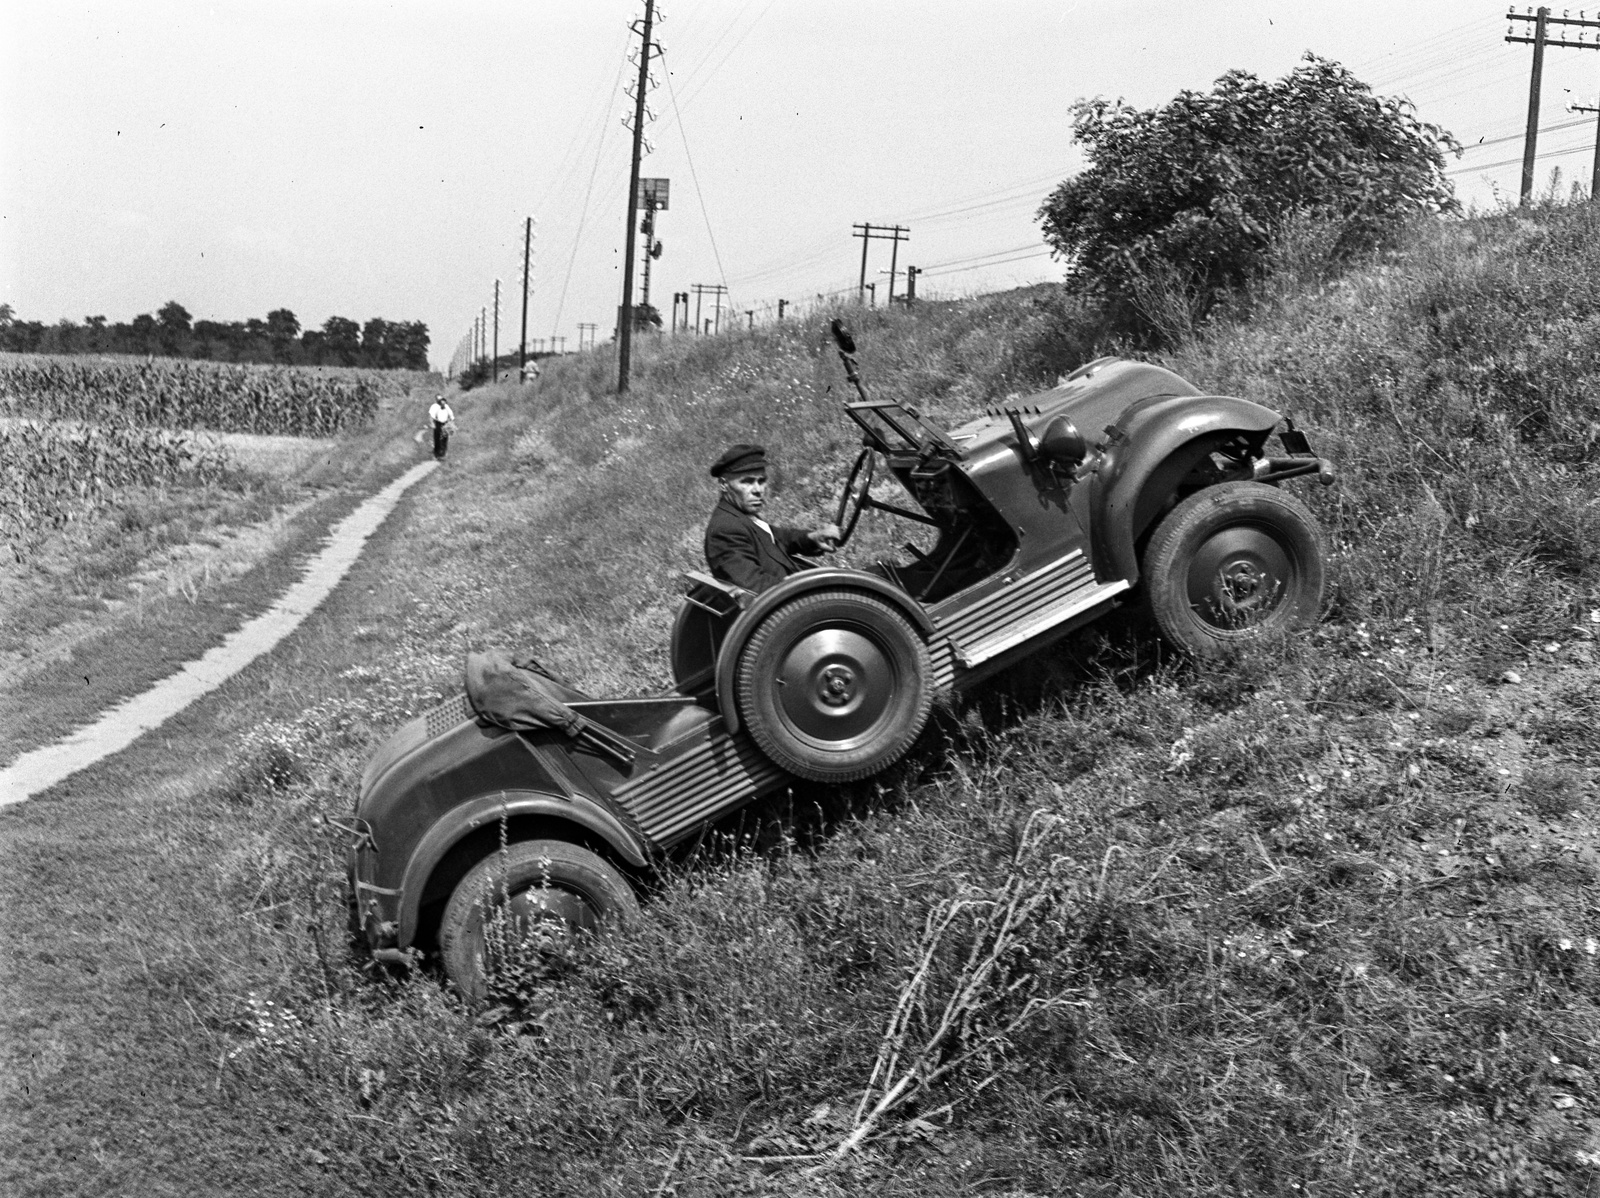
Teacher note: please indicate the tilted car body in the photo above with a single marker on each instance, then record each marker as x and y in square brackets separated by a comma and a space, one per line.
[1122, 480]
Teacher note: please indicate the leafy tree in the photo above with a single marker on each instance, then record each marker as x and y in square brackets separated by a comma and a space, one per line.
[341, 340]
[1194, 193]
[174, 317]
[143, 333]
[282, 329]
[375, 349]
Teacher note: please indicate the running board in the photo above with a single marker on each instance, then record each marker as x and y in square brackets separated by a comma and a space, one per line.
[979, 652]
[1022, 609]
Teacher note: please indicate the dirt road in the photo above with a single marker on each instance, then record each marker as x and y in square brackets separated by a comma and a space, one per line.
[42, 768]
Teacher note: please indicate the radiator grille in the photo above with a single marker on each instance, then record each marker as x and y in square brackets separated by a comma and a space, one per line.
[448, 715]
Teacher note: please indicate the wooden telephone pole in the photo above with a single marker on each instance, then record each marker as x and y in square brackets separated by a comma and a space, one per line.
[527, 282]
[1539, 38]
[1594, 175]
[895, 233]
[625, 319]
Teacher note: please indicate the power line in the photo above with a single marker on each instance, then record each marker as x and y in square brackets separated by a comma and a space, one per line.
[1540, 157]
[583, 212]
[1495, 141]
[694, 176]
[689, 99]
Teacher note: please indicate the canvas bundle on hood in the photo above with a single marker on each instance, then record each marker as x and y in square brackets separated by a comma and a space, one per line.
[516, 693]
[507, 693]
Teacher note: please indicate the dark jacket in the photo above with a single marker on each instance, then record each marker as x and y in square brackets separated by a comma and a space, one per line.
[741, 553]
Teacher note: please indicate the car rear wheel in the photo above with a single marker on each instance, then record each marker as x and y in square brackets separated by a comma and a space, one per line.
[518, 895]
[1231, 563]
[834, 685]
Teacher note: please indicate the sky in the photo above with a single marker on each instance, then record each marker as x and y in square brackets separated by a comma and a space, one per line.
[364, 159]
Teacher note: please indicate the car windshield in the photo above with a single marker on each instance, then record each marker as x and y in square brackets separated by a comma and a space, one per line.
[892, 427]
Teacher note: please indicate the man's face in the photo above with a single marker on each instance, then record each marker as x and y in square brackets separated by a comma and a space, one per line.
[747, 490]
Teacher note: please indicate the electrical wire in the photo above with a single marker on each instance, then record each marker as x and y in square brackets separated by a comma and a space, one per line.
[694, 175]
[583, 212]
[1543, 129]
[1489, 166]
[690, 98]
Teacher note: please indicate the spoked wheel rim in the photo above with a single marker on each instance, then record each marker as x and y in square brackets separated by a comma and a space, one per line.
[1240, 576]
[835, 686]
[853, 500]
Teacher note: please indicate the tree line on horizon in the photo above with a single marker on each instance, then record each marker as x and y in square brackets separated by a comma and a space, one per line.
[279, 339]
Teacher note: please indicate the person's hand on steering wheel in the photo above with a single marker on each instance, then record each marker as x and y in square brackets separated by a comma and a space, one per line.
[826, 538]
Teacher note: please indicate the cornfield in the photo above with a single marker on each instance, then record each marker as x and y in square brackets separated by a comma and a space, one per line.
[306, 401]
[53, 474]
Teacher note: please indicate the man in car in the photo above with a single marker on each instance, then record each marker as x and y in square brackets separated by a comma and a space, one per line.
[741, 547]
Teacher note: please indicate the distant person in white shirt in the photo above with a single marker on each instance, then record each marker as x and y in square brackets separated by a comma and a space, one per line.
[444, 423]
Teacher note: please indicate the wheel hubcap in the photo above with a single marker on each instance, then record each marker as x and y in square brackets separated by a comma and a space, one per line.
[834, 687]
[1239, 577]
[549, 910]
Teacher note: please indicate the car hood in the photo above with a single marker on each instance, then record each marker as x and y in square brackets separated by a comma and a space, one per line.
[1092, 397]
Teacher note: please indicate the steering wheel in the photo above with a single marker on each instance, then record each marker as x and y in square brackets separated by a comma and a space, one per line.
[854, 499]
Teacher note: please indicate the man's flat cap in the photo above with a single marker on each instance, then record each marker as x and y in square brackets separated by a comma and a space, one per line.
[737, 459]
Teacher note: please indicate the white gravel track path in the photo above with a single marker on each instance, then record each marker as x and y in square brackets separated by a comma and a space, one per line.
[39, 769]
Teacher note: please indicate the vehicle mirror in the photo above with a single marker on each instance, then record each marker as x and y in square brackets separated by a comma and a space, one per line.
[1062, 444]
[842, 337]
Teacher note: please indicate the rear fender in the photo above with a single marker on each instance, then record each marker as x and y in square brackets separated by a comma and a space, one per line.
[803, 583]
[486, 811]
[1154, 446]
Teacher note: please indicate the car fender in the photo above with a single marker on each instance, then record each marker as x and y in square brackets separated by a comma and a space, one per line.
[1158, 441]
[487, 810]
[803, 583]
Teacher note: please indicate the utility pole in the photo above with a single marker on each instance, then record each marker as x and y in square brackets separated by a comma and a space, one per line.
[1594, 178]
[583, 328]
[625, 320]
[494, 364]
[895, 233]
[1540, 38]
[483, 342]
[715, 290]
[527, 256]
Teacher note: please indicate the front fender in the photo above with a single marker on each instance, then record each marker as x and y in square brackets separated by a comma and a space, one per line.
[1147, 437]
[801, 584]
[489, 809]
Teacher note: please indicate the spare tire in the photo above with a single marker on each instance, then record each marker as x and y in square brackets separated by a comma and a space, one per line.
[834, 685]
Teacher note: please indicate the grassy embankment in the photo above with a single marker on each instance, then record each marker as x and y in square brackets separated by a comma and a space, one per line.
[1321, 921]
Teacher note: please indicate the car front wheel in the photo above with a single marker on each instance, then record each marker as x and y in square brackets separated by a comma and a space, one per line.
[520, 894]
[1231, 563]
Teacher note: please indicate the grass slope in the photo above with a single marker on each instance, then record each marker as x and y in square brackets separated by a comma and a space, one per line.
[1319, 921]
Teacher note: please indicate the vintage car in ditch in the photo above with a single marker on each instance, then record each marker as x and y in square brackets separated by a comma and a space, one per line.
[1121, 482]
